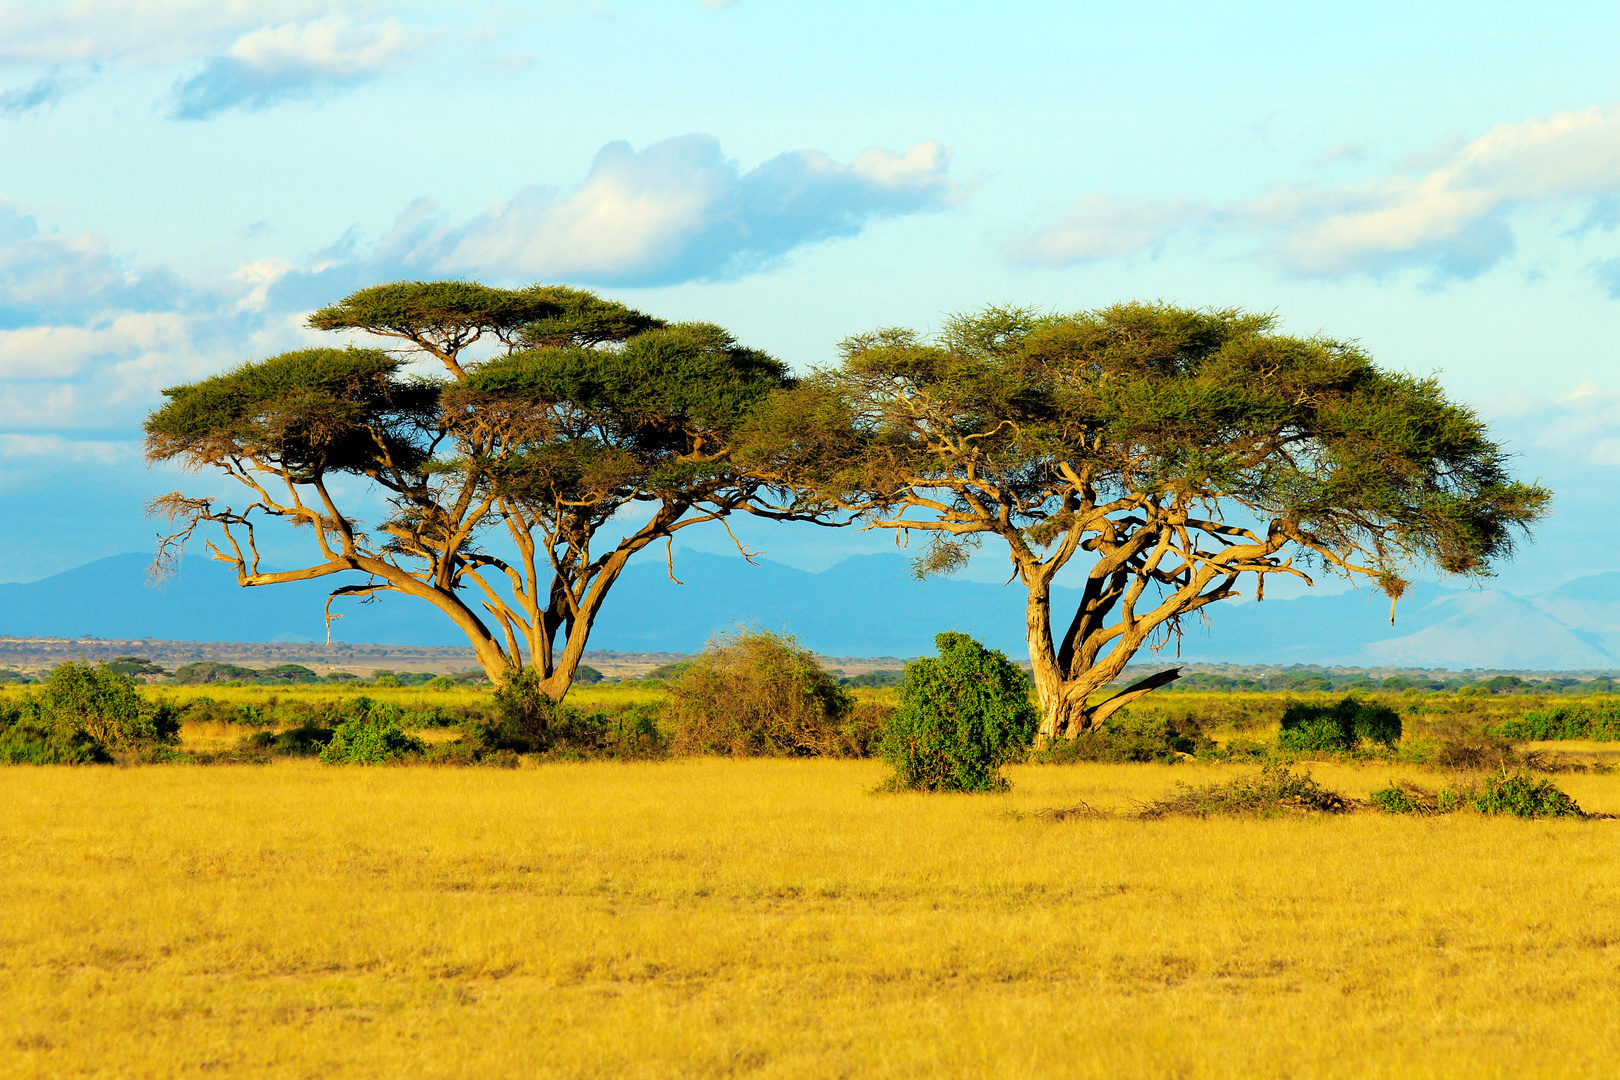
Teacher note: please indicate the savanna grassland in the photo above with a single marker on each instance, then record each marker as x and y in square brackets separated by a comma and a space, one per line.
[715, 917]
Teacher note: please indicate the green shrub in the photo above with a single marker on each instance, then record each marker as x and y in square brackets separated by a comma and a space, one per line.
[107, 706]
[1338, 727]
[1599, 722]
[758, 694]
[523, 715]
[371, 736]
[306, 740]
[27, 738]
[1132, 736]
[961, 717]
[1503, 792]
[1401, 797]
[1522, 795]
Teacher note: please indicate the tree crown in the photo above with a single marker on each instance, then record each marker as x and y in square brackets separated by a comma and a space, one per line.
[313, 410]
[1046, 415]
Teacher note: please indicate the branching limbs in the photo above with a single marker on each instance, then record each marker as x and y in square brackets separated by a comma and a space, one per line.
[1181, 450]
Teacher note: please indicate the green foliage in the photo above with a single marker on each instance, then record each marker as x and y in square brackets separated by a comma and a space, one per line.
[876, 679]
[107, 706]
[213, 671]
[306, 740]
[1272, 792]
[1406, 798]
[1522, 795]
[312, 411]
[591, 408]
[1515, 793]
[29, 738]
[524, 714]
[373, 735]
[758, 694]
[1599, 722]
[586, 675]
[962, 716]
[1140, 735]
[133, 665]
[83, 713]
[1102, 434]
[1338, 727]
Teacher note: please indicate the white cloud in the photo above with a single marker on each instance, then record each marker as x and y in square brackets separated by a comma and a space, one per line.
[53, 277]
[252, 54]
[148, 32]
[291, 61]
[675, 211]
[1450, 217]
[86, 343]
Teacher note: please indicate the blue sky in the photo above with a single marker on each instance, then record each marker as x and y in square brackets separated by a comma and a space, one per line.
[181, 182]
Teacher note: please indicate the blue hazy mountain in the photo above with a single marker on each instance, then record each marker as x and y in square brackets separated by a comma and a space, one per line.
[869, 605]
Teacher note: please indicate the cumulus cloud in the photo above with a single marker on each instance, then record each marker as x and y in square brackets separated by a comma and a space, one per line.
[1451, 218]
[676, 211]
[242, 55]
[292, 61]
[86, 341]
[147, 32]
[52, 277]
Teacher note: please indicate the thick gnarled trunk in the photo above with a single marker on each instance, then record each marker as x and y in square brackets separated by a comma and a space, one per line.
[1065, 696]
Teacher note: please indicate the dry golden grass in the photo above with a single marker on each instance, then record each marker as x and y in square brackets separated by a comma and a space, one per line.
[771, 918]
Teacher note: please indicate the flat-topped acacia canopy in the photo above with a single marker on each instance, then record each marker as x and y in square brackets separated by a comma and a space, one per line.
[1177, 449]
[592, 407]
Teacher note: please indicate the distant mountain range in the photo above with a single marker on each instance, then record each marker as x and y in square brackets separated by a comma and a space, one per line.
[869, 605]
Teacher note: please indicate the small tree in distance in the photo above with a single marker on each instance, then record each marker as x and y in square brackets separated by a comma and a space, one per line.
[961, 717]
[1177, 451]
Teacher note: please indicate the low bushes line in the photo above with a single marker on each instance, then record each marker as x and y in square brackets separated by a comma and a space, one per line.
[1599, 722]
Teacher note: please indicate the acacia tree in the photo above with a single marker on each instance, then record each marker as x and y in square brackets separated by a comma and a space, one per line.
[1177, 450]
[587, 408]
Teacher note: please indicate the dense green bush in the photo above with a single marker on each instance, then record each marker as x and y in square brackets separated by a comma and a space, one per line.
[1598, 721]
[758, 694]
[1338, 727]
[27, 738]
[1503, 792]
[108, 706]
[306, 740]
[84, 713]
[961, 717]
[1132, 735]
[1522, 795]
[372, 735]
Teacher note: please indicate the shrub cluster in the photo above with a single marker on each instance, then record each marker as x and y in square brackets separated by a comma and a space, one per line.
[759, 694]
[1339, 727]
[1598, 722]
[1141, 735]
[84, 713]
[1503, 792]
[961, 717]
